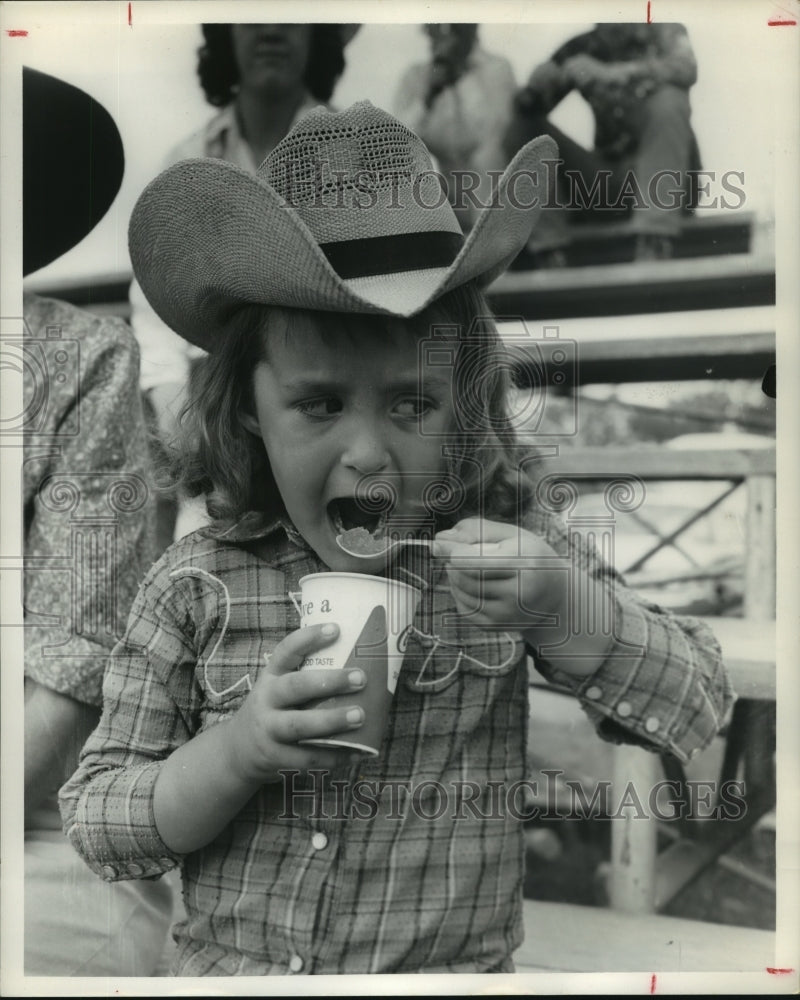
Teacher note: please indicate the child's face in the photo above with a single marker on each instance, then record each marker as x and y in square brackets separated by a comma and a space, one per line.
[344, 411]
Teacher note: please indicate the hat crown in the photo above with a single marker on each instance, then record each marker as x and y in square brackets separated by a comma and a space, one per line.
[345, 215]
[347, 173]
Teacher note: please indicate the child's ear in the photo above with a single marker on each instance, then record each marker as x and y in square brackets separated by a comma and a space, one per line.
[249, 422]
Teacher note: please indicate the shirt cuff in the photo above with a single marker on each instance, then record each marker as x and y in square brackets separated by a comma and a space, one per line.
[114, 827]
[662, 685]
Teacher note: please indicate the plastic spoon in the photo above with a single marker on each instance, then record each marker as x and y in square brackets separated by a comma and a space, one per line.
[388, 546]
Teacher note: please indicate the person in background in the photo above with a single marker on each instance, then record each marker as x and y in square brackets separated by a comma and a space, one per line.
[262, 77]
[459, 103]
[87, 538]
[636, 79]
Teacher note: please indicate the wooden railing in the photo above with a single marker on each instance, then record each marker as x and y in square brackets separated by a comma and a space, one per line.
[641, 879]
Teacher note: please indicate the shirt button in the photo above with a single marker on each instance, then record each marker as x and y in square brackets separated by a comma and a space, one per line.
[319, 841]
[594, 693]
[295, 963]
[135, 870]
[109, 872]
[624, 709]
[652, 724]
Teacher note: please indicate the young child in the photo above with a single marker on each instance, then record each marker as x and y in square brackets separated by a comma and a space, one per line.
[352, 357]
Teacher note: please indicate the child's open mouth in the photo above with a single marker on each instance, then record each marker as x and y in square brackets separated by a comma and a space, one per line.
[360, 524]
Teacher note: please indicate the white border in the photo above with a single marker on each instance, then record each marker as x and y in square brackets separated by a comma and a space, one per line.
[775, 50]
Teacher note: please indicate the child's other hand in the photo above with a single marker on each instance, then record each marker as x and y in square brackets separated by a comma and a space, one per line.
[268, 727]
[505, 577]
[502, 575]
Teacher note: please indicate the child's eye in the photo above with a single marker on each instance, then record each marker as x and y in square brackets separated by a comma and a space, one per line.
[414, 407]
[324, 406]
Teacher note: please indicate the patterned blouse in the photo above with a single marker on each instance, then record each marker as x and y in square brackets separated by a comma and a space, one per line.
[410, 861]
[86, 503]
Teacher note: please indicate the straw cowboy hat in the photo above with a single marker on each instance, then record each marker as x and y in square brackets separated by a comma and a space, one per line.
[345, 215]
[72, 167]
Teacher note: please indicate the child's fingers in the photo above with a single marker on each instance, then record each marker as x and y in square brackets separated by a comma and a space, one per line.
[477, 584]
[304, 685]
[334, 760]
[467, 583]
[485, 569]
[307, 724]
[478, 529]
[457, 548]
[489, 560]
[483, 609]
[466, 603]
[295, 647]
[475, 593]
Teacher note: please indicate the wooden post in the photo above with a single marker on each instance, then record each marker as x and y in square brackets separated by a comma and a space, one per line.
[760, 558]
[632, 879]
[759, 605]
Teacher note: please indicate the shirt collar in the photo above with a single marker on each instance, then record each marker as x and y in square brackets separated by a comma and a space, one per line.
[223, 129]
[256, 526]
[222, 122]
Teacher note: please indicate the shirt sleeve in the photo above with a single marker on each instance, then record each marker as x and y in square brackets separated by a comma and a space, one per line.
[673, 62]
[583, 44]
[669, 57]
[150, 707]
[409, 100]
[89, 537]
[663, 685]
[499, 87]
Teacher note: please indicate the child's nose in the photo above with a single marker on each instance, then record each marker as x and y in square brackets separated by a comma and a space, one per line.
[365, 451]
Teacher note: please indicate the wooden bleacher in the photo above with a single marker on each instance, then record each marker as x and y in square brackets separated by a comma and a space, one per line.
[724, 260]
[622, 289]
[677, 346]
[703, 234]
[560, 937]
[597, 290]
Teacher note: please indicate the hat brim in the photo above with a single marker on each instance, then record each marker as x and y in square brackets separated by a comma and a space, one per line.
[204, 241]
[72, 167]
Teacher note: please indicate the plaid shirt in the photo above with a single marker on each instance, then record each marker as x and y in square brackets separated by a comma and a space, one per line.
[414, 862]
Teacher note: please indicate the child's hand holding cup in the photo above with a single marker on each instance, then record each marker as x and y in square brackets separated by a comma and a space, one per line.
[373, 614]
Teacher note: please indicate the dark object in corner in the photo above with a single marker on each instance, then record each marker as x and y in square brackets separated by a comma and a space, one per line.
[768, 382]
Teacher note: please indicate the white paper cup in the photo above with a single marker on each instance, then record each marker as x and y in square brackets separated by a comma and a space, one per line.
[373, 614]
